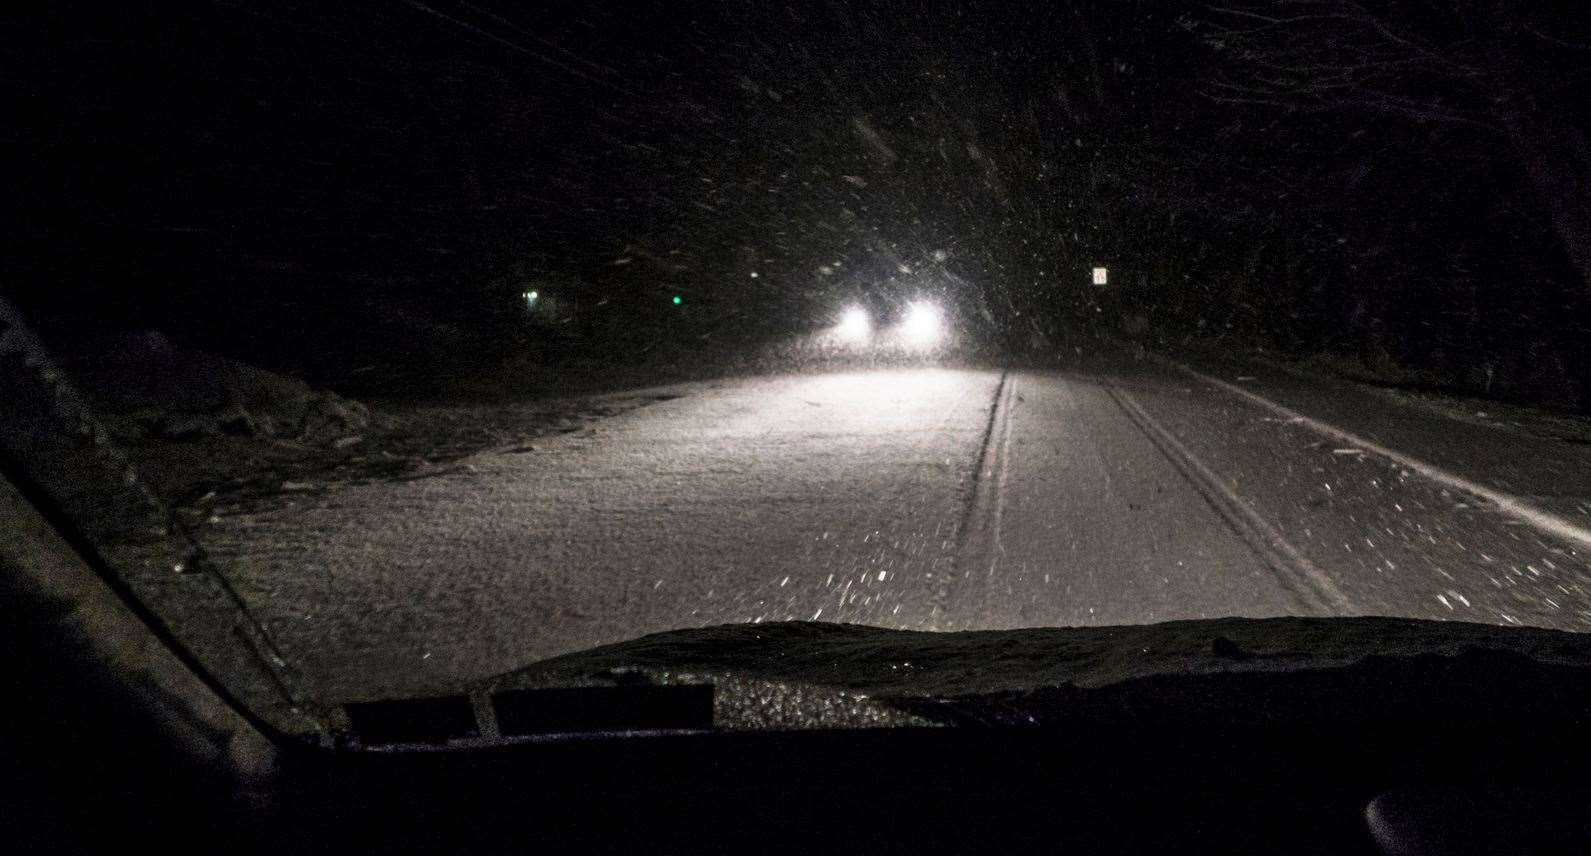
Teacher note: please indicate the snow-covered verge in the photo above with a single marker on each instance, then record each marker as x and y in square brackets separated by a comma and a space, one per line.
[215, 436]
[144, 387]
[1517, 448]
[1532, 421]
[1542, 398]
[1427, 391]
[209, 476]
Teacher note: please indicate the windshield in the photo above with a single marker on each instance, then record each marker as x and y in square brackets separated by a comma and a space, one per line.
[441, 338]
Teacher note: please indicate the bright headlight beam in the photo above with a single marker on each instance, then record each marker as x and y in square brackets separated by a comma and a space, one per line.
[923, 323]
[855, 325]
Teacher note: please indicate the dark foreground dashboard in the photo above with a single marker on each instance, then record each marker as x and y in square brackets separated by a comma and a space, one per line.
[84, 772]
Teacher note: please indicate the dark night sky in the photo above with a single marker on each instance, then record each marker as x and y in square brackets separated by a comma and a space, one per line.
[261, 176]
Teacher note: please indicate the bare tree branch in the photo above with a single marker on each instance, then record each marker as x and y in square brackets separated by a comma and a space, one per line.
[1316, 56]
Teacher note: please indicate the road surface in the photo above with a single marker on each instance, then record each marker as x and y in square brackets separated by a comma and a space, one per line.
[920, 498]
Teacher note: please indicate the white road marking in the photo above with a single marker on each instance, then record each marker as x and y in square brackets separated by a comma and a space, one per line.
[1542, 520]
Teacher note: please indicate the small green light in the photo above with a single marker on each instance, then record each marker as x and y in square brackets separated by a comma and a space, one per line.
[678, 300]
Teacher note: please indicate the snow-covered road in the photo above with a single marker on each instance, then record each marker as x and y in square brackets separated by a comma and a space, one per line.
[917, 498]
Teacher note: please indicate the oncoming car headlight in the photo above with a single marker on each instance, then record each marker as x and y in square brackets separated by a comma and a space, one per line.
[855, 325]
[923, 323]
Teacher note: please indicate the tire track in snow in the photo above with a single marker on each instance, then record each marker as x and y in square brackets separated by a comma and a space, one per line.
[978, 536]
[1312, 586]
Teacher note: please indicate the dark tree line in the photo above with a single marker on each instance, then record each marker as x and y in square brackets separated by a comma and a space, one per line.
[1510, 75]
[1403, 181]
[1441, 145]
